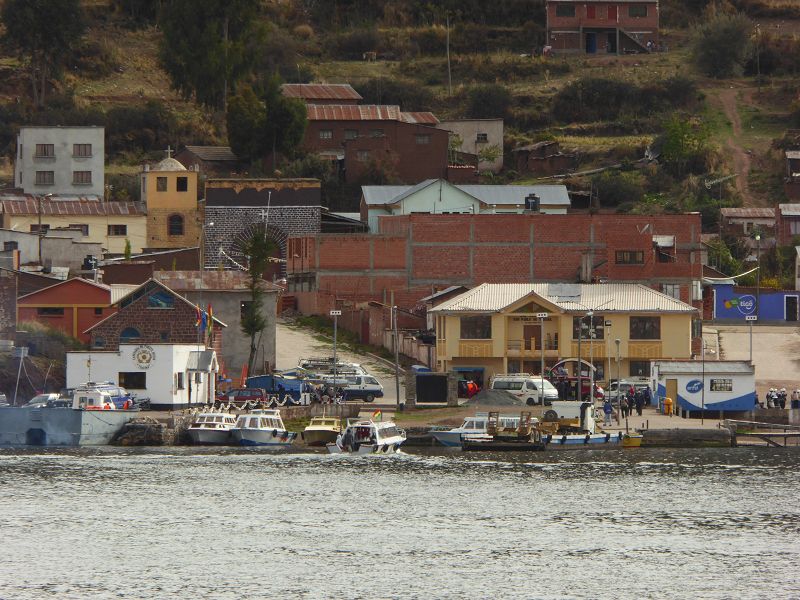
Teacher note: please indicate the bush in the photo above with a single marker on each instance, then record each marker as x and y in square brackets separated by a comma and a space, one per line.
[304, 31]
[720, 45]
[138, 128]
[96, 59]
[488, 102]
[403, 92]
[353, 43]
[615, 188]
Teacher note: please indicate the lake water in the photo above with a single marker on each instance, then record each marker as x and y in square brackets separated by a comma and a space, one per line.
[209, 523]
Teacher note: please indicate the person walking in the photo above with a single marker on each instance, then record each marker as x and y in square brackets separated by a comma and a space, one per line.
[624, 407]
[607, 410]
[639, 399]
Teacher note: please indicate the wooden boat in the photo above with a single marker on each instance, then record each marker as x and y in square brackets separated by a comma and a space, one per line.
[632, 440]
[322, 431]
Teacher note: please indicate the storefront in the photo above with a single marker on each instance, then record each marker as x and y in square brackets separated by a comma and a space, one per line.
[711, 385]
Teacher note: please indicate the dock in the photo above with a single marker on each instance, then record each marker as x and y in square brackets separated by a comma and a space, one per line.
[750, 433]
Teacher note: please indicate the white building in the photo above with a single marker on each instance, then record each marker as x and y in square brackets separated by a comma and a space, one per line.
[172, 376]
[61, 160]
[711, 385]
[479, 135]
[437, 196]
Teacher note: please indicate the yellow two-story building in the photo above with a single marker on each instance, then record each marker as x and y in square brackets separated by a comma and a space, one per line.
[509, 328]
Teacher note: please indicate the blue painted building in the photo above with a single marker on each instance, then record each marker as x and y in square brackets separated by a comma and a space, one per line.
[734, 303]
[711, 385]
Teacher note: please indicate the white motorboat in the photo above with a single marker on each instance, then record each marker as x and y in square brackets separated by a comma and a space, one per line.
[368, 437]
[473, 426]
[212, 428]
[263, 427]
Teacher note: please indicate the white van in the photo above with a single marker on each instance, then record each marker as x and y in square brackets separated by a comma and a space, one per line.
[356, 387]
[525, 387]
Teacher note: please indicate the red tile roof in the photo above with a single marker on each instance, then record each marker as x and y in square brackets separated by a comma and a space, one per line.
[29, 205]
[320, 91]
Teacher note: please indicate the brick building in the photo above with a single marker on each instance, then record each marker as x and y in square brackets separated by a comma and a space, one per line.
[405, 144]
[152, 314]
[415, 254]
[592, 26]
[235, 208]
[787, 223]
[215, 161]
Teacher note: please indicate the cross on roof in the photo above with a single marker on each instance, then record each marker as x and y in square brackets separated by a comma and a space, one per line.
[169, 151]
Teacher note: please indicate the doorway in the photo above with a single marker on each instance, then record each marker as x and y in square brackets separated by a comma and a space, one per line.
[790, 308]
[532, 335]
[612, 42]
[591, 43]
[672, 392]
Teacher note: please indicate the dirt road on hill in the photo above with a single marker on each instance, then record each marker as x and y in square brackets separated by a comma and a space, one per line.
[742, 160]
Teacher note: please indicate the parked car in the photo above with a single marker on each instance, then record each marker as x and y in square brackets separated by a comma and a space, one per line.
[41, 400]
[525, 387]
[242, 395]
[356, 387]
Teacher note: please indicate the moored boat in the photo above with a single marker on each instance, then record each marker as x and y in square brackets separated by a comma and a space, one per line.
[322, 430]
[580, 440]
[212, 428]
[472, 426]
[368, 437]
[263, 427]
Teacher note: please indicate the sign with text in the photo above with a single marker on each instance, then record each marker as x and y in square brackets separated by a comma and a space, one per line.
[336, 313]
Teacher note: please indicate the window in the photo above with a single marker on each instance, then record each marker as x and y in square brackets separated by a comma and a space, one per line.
[81, 178]
[10, 246]
[350, 134]
[595, 322]
[179, 381]
[721, 385]
[630, 257]
[476, 328]
[99, 342]
[82, 227]
[591, 12]
[794, 227]
[161, 184]
[482, 138]
[45, 151]
[645, 328]
[44, 227]
[423, 139]
[175, 225]
[45, 178]
[98, 312]
[362, 155]
[117, 230]
[640, 368]
[183, 184]
[325, 134]
[376, 133]
[565, 10]
[129, 334]
[81, 150]
[671, 289]
[637, 11]
[133, 381]
[50, 311]
[160, 300]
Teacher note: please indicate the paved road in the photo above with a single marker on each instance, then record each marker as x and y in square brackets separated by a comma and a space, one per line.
[293, 343]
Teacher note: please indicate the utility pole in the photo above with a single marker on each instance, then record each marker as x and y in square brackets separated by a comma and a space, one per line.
[396, 358]
[335, 314]
[751, 319]
[449, 76]
[541, 316]
[617, 342]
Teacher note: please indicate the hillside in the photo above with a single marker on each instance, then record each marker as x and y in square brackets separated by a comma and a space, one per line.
[117, 77]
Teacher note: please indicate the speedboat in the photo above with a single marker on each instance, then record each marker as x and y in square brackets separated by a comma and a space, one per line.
[212, 428]
[322, 430]
[262, 427]
[472, 426]
[368, 437]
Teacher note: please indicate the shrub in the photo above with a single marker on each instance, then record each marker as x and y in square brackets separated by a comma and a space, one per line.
[402, 92]
[138, 128]
[720, 45]
[353, 43]
[488, 102]
[96, 59]
[430, 40]
[304, 31]
[615, 188]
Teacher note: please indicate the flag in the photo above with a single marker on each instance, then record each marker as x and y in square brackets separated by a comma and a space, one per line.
[377, 415]
[210, 322]
[197, 313]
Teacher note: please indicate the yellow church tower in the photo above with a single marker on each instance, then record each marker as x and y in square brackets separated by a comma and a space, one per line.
[169, 191]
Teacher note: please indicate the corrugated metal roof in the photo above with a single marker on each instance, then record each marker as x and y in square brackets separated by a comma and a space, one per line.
[213, 153]
[353, 112]
[120, 290]
[569, 297]
[30, 206]
[789, 210]
[749, 213]
[320, 91]
[423, 118]
[549, 195]
[182, 281]
[692, 367]
[443, 292]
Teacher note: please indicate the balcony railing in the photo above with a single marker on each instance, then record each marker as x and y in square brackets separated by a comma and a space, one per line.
[644, 349]
[532, 347]
[475, 348]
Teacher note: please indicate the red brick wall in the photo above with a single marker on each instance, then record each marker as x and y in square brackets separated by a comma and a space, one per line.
[582, 19]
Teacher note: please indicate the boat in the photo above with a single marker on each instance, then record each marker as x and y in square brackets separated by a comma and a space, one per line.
[632, 440]
[212, 428]
[261, 427]
[525, 436]
[472, 426]
[91, 418]
[368, 437]
[580, 440]
[322, 430]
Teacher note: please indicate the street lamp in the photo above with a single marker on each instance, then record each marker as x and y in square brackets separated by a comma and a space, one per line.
[617, 342]
[758, 274]
[541, 316]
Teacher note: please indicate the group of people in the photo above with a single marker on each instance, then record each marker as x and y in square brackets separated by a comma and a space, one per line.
[632, 400]
[776, 398]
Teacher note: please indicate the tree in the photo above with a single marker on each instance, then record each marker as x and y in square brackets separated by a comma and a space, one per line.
[205, 48]
[720, 45]
[258, 248]
[488, 102]
[127, 251]
[266, 124]
[43, 34]
[684, 146]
